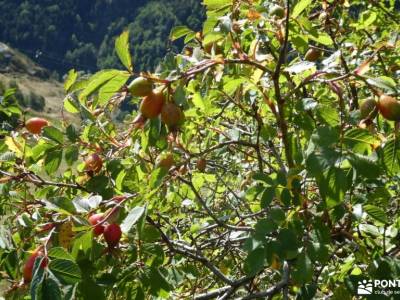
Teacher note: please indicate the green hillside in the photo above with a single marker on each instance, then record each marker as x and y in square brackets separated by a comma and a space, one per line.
[61, 35]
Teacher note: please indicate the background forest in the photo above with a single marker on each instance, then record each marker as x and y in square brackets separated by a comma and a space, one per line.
[64, 34]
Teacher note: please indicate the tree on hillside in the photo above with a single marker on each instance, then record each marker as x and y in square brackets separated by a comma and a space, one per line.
[262, 162]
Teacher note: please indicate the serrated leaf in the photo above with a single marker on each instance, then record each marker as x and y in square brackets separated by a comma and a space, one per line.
[122, 49]
[300, 7]
[71, 78]
[82, 242]
[336, 186]
[65, 270]
[96, 81]
[391, 156]
[7, 156]
[300, 67]
[255, 261]
[52, 160]
[84, 205]
[322, 38]
[15, 145]
[231, 84]
[65, 234]
[37, 278]
[112, 86]
[365, 166]
[303, 269]
[51, 289]
[70, 105]
[60, 253]
[376, 213]
[71, 154]
[54, 134]
[212, 37]
[383, 82]
[120, 179]
[358, 135]
[198, 101]
[216, 4]
[178, 32]
[132, 218]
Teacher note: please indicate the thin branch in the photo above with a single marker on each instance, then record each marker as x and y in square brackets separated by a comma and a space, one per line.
[272, 290]
[212, 294]
[35, 179]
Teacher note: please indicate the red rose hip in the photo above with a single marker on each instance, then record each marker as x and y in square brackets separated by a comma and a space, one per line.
[94, 220]
[35, 125]
[112, 234]
[29, 264]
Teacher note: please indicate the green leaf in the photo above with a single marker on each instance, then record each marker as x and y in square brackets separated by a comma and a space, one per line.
[70, 105]
[376, 213]
[72, 134]
[300, 7]
[82, 242]
[86, 204]
[90, 290]
[391, 156]
[358, 135]
[60, 253]
[255, 261]
[231, 84]
[37, 278]
[383, 82]
[277, 214]
[365, 166]
[65, 270]
[111, 87]
[96, 81]
[212, 37]
[198, 101]
[119, 181]
[178, 32]
[336, 186]
[267, 197]
[122, 49]
[156, 177]
[288, 243]
[51, 290]
[132, 218]
[158, 282]
[322, 38]
[303, 271]
[264, 227]
[71, 78]
[217, 4]
[53, 134]
[52, 160]
[286, 197]
[300, 67]
[318, 252]
[71, 154]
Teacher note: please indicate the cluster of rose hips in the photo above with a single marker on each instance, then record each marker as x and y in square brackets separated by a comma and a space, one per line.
[111, 232]
[388, 107]
[154, 104]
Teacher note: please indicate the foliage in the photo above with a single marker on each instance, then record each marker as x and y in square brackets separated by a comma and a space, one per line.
[65, 34]
[274, 184]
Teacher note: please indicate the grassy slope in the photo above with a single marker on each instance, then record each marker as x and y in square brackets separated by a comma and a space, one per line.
[15, 66]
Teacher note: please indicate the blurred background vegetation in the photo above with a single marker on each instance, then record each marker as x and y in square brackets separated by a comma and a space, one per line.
[65, 34]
